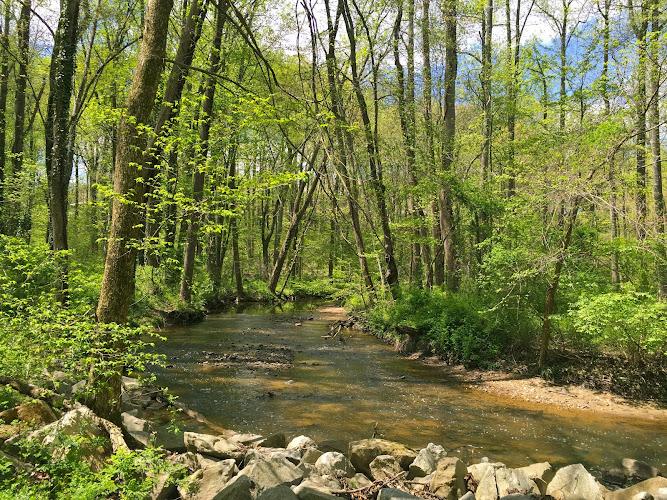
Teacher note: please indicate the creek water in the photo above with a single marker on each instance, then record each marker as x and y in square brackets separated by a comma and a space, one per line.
[338, 391]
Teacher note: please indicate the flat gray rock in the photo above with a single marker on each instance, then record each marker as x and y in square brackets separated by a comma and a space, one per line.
[574, 482]
[214, 446]
[272, 472]
[278, 493]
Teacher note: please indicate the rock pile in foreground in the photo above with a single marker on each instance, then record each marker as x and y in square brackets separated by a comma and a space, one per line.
[248, 467]
[235, 466]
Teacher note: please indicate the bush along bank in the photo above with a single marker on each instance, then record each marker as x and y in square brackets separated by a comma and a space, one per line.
[76, 454]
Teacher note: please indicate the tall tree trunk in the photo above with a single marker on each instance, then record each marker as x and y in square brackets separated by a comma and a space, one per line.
[59, 158]
[448, 146]
[4, 91]
[189, 37]
[487, 33]
[433, 261]
[23, 42]
[198, 175]
[345, 151]
[118, 280]
[604, 8]
[640, 26]
[656, 157]
[374, 164]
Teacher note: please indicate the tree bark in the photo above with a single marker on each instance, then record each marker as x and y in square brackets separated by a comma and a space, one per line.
[656, 157]
[4, 91]
[59, 155]
[118, 280]
[23, 43]
[448, 147]
[374, 164]
[198, 175]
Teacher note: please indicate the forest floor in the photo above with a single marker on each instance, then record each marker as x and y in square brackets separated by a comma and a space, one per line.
[516, 382]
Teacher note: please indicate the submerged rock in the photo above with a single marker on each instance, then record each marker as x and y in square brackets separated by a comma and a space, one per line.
[638, 470]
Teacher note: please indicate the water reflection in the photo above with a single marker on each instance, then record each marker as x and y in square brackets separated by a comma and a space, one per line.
[339, 391]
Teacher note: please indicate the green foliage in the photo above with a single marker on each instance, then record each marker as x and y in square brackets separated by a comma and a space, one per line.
[635, 323]
[126, 475]
[36, 334]
[451, 324]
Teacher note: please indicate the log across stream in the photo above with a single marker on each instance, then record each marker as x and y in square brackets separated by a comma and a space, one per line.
[267, 370]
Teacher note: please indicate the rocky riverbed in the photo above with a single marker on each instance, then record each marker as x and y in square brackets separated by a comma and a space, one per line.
[222, 464]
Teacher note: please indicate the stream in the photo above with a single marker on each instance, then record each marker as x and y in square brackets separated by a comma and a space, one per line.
[267, 370]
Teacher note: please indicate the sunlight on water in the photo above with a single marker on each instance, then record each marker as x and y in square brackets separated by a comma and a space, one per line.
[339, 391]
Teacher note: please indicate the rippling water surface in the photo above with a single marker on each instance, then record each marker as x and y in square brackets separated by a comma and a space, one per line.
[339, 391]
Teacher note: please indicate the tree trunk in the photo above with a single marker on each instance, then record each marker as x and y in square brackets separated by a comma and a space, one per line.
[198, 175]
[640, 26]
[4, 91]
[118, 280]
[190, 34]
[656, 157]
[448, 147]
[23, 42]
[345, 150]
[374, 163]
[60, 149]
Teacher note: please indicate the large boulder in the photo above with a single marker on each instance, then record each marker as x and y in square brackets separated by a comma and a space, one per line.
[80, 422]
[448, 481]
[35, 412]
[384, 467]
[542, 473]
[426, 460]
[214, 446]
[515, 482]
[651, 486]
[638, 470]
[335, 464]
[574, 482]
[267, 473]
[169, 439]
[206, 484]
[139, 429]
[363, 452]
[310, 456]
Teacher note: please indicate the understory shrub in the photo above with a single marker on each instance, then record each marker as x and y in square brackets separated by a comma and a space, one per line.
[452, 325]
[631, 322]
[126, 475]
